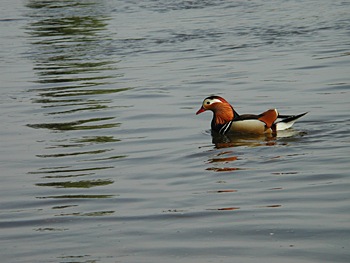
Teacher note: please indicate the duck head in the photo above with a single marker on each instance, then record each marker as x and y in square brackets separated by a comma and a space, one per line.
[222, 110]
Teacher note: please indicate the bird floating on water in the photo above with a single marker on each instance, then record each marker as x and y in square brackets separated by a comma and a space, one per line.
[226, 120]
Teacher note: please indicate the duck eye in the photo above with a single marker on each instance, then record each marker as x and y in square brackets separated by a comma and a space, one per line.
[208, 102]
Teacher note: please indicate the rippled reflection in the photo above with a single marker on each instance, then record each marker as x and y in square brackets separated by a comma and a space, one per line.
[235, 140]
[97, 213]
[75, 196]
[226, 159]
[77, 184]
[75, 125]
[76, 78]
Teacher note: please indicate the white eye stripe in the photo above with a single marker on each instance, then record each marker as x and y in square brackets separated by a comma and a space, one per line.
[216, 100]
[211, 101]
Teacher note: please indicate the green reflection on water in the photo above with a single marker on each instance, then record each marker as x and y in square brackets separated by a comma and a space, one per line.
[111, 158]
[97, 139]
[72, 53]
[89, 108]
[68, 26]
[98, 213]
[71, 154]
[75, 125]
[67, 175]
[78, 184]
[71, 47]
[75, 196]
[73, 67]
[54, 170]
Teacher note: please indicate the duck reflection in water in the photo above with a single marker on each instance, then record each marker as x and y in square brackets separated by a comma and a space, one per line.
[224, 144]
[238, 139]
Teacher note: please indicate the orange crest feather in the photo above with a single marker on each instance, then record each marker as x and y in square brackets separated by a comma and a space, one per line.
[269, 117]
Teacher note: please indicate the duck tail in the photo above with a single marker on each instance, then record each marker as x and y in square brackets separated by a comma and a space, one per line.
[287, 121]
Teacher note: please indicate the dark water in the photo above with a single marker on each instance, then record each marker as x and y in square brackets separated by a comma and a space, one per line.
[103, 158]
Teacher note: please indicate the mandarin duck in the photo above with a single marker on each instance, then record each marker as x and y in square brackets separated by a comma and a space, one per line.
[226, 120]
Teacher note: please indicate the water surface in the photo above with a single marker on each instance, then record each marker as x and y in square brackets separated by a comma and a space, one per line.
[104, 160]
